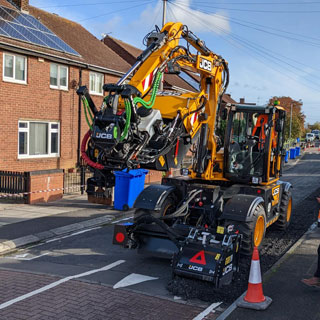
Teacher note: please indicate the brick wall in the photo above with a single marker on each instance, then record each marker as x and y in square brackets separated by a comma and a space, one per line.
[37, 101]
[45, 180]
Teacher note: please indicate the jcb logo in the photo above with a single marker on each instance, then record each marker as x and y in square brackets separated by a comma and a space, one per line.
[275, 191]
[102, 135]
[205, 64]
[195, 268]
[275, 195]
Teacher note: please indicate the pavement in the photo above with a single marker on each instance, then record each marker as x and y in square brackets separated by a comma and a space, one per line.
[22, 225]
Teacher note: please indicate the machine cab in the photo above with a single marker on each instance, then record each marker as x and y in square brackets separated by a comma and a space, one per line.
[254, 143]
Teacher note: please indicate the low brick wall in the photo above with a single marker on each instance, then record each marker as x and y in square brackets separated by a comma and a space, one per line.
[153, 176]
[42, 182]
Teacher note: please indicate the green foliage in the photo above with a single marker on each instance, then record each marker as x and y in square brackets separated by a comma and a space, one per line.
[296, 128]
[315, 126]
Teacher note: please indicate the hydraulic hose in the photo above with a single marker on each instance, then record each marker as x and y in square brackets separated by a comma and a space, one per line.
[86, 111]
[128, 119]
[149, 104]
[84, 154]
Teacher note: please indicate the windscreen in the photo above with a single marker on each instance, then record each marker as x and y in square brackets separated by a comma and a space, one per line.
[247, 142]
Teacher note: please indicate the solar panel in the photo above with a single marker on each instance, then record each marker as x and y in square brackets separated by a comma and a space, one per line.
[21, 26]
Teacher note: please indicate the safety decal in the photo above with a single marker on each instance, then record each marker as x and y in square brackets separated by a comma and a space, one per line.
[220, 230]
[199, 258]
[228, 260]
[146, 83]
[194, 118]
[162, 161]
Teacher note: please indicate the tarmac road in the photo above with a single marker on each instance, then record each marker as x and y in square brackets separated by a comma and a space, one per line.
[93, 249]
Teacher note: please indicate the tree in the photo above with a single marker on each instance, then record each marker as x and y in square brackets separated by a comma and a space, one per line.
[315, 126]
[297, 118]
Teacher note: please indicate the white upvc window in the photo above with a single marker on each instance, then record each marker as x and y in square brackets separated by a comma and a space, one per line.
[58, 76]
[14, 68]
[38, 139]
[96, 83]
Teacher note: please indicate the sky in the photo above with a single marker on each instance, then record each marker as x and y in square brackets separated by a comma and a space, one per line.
[272, 46]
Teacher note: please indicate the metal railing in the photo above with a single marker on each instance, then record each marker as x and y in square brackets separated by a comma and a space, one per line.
[75, 181]
[15, 184]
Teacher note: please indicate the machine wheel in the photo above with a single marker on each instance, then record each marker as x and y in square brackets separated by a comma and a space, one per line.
[167, 207]
[285, 211]
[253, 232]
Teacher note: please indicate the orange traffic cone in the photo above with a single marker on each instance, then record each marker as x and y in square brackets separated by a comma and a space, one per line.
[254, 298]
[319, 219]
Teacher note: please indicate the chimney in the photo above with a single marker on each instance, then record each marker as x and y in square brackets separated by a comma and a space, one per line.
[23, 5]
[242, 101]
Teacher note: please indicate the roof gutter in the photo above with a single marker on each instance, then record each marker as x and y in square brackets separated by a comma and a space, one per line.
[35, 53]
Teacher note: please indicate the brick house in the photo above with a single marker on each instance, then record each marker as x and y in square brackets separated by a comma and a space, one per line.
[39, 123]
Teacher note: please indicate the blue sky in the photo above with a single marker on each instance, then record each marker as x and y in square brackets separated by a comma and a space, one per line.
[273, 47]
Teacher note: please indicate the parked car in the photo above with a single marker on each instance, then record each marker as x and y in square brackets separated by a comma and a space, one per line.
[316, 133]
[310, 137]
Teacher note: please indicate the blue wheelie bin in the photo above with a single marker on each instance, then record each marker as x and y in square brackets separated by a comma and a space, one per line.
[286, 157]
[128, 186]
[297, 151]
[292, 153]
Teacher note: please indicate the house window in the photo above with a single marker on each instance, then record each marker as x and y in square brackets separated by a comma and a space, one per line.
[96, 83]
[38, 139]
[14, 68]
[58, 76]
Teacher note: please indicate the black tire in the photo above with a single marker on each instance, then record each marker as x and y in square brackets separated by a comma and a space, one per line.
[167, 207]
[247, 229]
[284, 219]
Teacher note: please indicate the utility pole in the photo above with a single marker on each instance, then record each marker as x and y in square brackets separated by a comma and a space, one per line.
[164, 12]
[164, 16]
[290, 121]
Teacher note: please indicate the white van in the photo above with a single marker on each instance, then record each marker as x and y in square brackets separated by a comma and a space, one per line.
[310, 137]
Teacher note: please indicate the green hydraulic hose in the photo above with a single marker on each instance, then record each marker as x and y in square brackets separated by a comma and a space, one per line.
[89, 110]
[149, 104]
[128, 118]
[86, 105]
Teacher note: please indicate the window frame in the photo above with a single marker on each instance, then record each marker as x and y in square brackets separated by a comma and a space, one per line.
[50, 131]
[59, 87]
[94, 91]
[13, 80]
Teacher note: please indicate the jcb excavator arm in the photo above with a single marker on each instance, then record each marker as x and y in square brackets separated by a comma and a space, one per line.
[137, 127]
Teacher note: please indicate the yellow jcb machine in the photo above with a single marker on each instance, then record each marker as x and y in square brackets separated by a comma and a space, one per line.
[221, 204]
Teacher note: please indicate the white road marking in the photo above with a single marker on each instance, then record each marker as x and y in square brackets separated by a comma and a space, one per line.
[124, 219]
[23, 257]
[205, 312]
[302, 174]
[59, 238]
[71, 235]
[55, 284]
[132, 279]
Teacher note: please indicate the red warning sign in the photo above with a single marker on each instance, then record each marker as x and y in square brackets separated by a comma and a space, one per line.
[199, 258]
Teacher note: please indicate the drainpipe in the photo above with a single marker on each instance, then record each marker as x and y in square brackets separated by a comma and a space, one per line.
[79, 120]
